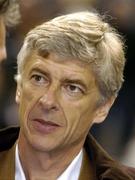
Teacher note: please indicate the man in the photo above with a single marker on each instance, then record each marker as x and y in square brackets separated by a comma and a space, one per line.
[9, 16]
[70, 71]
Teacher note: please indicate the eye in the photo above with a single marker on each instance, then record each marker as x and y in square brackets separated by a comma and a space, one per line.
[74, 89]
[38, 79]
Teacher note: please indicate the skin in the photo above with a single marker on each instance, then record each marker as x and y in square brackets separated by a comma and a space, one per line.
[3, 53]
[57, 106]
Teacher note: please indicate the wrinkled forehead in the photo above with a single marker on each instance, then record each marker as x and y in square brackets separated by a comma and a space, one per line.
[26, 52]
[54, 57]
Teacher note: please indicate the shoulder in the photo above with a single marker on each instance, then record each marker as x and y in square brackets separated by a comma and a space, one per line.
[105, 166]
[8, 136]
[130, 171]
[7, 163]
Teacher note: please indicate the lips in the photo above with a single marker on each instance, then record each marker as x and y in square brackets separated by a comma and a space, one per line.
[44, 127]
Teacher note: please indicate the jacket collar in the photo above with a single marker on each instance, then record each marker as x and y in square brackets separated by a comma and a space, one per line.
[104, 166]
[7, 168]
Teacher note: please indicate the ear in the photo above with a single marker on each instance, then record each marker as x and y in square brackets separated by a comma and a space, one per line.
[18, 94]
[102, 111]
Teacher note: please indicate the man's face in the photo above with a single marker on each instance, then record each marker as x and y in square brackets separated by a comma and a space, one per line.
[57, 100]
[2, 39]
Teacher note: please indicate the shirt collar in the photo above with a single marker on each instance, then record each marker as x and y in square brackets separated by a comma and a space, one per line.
[19, 174]
[72, 172]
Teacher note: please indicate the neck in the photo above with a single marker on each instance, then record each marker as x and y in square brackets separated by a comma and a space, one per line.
[45, 164]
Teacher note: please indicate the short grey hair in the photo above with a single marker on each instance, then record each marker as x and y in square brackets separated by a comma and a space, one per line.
[10, 10]
[84, 36]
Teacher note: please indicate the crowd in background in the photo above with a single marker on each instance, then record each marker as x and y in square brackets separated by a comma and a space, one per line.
[120, 124]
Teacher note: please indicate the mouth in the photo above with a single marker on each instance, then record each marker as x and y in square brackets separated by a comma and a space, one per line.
[45, 127]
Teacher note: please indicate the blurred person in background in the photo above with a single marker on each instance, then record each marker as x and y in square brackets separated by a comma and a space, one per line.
[129, 153]
[128, 157]
[9, 16]
[70, 70]
[76, 5]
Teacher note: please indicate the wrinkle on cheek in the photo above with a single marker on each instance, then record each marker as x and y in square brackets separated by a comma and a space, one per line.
[30, 94]
[72, 115]
[27, 100]
[79, 115]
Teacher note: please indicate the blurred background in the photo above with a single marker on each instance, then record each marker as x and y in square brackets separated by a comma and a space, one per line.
[117, 133]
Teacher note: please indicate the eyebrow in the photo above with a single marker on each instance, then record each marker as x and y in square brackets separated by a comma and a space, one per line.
[36, 69]
[66, 80]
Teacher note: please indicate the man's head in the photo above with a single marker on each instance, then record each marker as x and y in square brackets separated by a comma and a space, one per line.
[70, 70]
[86, 37]
[9, 16]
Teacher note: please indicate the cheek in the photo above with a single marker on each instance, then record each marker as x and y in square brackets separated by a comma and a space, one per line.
[73, 113]
[27, 101]
[78, 122]
[79, 114]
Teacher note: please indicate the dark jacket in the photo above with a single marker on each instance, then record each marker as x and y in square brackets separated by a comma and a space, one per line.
[97, 164]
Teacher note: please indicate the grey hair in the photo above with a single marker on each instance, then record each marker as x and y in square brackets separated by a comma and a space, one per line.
[84, 36]
[10, 10]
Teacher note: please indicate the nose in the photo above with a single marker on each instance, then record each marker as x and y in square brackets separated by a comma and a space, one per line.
[49, 101]
[3, 53]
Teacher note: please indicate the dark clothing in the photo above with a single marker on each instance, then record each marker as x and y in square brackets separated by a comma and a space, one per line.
[102, 166]
[8, 137]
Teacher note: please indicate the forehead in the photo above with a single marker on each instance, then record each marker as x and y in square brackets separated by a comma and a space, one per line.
[59, 66]
[33, 56]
